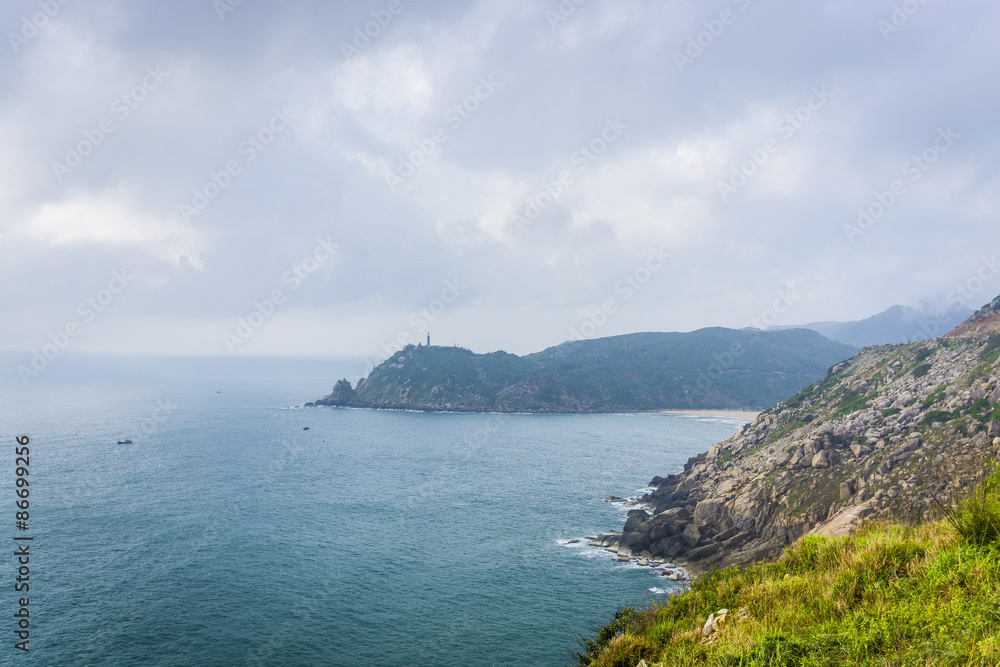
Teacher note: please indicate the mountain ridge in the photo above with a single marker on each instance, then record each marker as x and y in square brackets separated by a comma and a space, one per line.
[712, 368]
[895, 325]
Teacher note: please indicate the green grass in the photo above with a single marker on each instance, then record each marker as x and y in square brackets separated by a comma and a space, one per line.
[980, 410]
[888, 595]
[937, 416]
[992, 349]
[778, 432]
[852, 401]
[933, 398]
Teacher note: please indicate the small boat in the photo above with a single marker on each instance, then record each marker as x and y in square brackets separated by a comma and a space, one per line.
[124, 442]
[305, 428]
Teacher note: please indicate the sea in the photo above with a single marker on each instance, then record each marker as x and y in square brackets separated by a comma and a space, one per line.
[240, 528]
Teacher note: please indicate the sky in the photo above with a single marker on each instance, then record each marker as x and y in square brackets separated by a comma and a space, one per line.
[226, 177]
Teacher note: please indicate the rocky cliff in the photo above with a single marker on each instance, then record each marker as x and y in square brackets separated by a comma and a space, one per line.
[883, 435]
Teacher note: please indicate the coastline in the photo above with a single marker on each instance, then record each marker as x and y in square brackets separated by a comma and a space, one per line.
[745, 415]
[729, 414]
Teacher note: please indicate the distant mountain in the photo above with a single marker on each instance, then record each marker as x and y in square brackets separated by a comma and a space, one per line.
[897, 325]
[707, 369]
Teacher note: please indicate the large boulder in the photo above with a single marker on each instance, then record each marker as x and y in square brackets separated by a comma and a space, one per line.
[636, 519]
[658, 532]
[860, 450]
[824, 459]
[692, 534]
[708, 511]
[844, 522]
[637, 540]
[702, 552]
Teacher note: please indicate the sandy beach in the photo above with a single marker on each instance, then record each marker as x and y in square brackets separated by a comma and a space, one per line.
[732, 414]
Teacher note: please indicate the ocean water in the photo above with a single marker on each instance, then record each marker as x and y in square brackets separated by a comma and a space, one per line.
[226, 534]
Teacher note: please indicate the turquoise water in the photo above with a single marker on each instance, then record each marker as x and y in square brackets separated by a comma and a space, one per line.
[228, 535]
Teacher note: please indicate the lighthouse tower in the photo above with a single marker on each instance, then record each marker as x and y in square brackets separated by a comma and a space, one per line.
[428, 339]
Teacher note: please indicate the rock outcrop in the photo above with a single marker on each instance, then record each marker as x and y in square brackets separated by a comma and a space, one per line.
[984, 322]
[887, 434]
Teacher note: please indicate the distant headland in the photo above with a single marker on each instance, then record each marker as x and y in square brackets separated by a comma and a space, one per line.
[708, 369]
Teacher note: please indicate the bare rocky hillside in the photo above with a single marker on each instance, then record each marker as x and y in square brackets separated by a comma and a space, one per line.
[877, 437]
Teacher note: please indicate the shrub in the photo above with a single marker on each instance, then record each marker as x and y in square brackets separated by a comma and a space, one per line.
[623, 618]
[921, 370]
[936, 416]
[626, 651]
[852, 401]
[933, 398]
[977, 518]
[992, 345]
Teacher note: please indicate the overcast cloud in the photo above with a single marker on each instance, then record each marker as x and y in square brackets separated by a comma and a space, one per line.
[570, 161]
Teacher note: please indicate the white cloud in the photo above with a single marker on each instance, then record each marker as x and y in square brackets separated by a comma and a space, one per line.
[654, 186]
[109, 219]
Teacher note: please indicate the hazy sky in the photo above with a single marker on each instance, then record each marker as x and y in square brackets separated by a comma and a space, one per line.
[343, 175]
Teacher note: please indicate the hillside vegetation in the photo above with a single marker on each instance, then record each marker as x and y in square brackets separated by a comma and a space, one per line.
[889, 595]
[904, 437]
[881, 436]
[707, 369]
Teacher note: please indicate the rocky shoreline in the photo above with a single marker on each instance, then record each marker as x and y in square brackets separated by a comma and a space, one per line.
[610, 542]
[659, 567]
[888, 434]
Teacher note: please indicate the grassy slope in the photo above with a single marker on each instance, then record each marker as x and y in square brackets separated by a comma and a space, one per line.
[888, 595]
